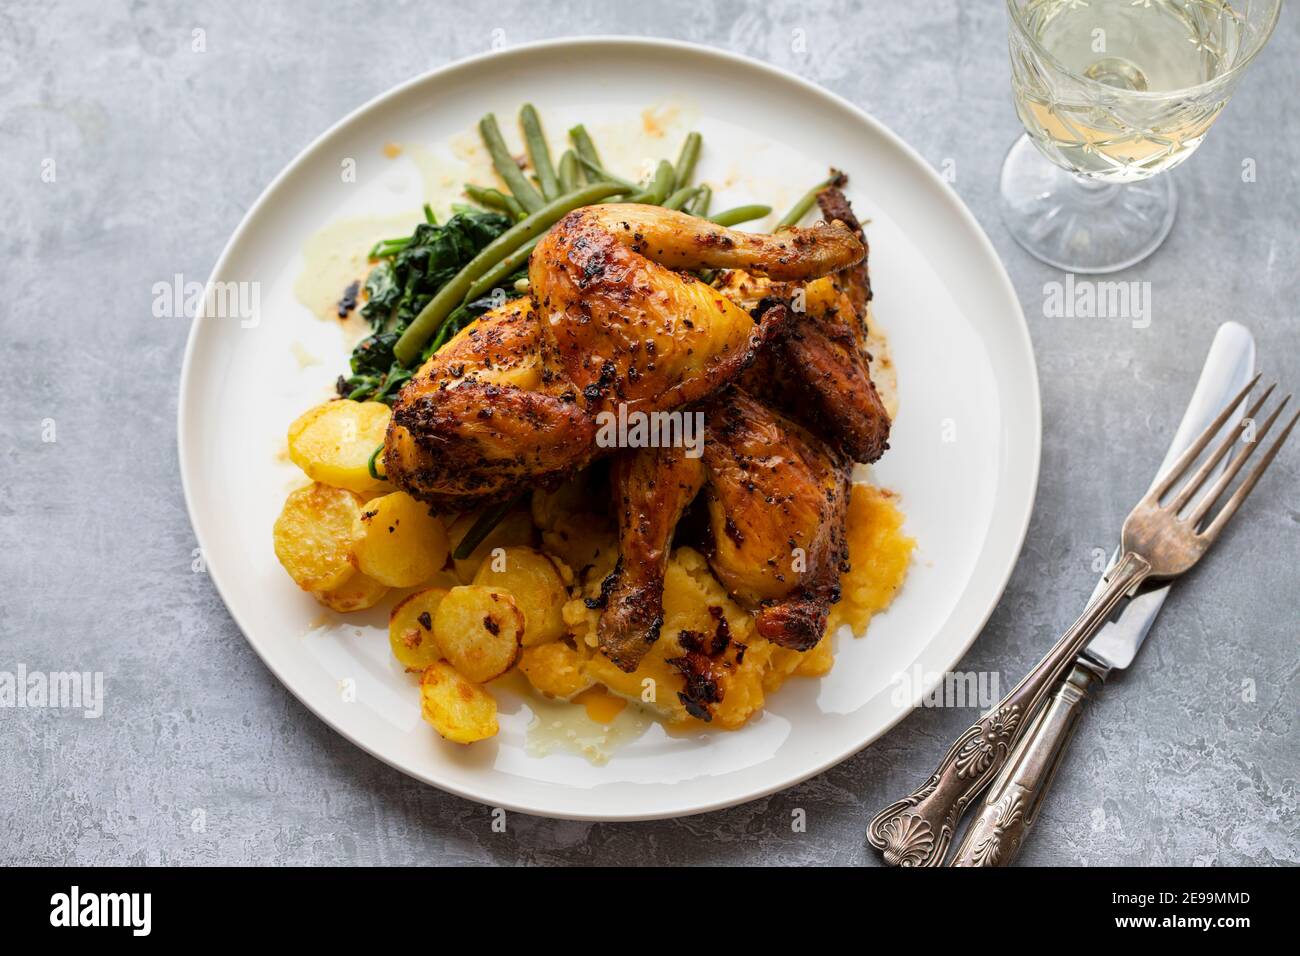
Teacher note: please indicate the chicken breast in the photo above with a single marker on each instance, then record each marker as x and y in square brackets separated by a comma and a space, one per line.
[487, 417]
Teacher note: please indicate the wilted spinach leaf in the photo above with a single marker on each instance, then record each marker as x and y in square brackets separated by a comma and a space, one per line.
[408, 273]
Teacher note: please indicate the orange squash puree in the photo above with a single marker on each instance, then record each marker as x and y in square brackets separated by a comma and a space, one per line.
[751, 668]
[602, 706]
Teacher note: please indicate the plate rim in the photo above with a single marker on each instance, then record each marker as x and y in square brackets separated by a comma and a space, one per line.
[955, 203]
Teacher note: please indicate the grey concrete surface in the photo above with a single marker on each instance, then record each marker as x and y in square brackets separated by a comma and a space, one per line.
[1192, 758]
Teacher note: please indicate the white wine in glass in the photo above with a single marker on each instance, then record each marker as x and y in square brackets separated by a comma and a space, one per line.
[1113, 92]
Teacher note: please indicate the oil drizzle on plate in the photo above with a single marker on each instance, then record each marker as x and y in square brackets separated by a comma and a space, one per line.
[560, 725]
[335, 257]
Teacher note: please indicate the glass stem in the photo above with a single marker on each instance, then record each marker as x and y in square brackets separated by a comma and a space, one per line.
[1094, 192]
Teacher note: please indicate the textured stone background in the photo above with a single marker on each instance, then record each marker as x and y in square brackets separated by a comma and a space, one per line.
[159, 152]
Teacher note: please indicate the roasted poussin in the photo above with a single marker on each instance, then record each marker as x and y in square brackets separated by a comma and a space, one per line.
[629, 329]
[776, 482]
[509, 404]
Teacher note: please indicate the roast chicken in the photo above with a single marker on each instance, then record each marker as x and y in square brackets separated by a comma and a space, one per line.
[775, 497]
[772, 352]
[775, 482]
[509, 404]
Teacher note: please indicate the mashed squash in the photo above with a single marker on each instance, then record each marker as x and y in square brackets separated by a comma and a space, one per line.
[695, 603]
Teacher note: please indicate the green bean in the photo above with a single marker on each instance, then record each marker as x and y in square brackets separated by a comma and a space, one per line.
[495, 199]
[598, 174]
[686, 161]
[483, 526]
[700, 207]
[805, 203]
[661, 185]
[453, 291]
[570, 173]
[679, 199]
[506, 166]
[501, 271]
[429, 216]
[585, 148]
[539, 154]
[733, 217]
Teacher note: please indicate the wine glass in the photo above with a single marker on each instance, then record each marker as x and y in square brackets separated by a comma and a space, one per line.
[1113, 92]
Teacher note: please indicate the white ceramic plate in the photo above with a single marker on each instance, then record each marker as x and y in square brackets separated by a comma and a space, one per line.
[965, 446]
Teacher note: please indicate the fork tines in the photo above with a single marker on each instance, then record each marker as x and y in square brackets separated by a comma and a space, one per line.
[1193, 485]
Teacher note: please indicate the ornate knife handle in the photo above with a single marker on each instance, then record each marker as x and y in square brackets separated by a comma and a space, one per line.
[1009, 810]
[916, 830]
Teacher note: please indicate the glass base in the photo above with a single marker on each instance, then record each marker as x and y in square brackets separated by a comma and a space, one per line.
[1082, 225]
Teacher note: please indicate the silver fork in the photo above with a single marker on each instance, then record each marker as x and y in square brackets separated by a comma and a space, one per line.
[1159, 541]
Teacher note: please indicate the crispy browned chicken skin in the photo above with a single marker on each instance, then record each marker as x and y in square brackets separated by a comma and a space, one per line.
[776, 492]
[777, 496]
[820, 371]
[628, 329]
[652, 488]
[508, 404]
[486, 416]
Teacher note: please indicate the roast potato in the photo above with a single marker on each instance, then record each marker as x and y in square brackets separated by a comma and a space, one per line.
[555, 669]
[397, 542]
[537, 586]
[410, 629]
[333, 443]
[313, 536]
[515, 529]
[458, 709]
[478, 630]
[355, 594]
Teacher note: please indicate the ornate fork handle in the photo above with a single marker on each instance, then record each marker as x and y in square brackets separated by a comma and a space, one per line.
[1011, 806]
[916, 830]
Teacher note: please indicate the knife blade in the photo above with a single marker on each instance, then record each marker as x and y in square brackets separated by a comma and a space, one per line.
[1228, 367]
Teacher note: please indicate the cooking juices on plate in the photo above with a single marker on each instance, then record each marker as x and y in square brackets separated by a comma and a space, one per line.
[688, 560]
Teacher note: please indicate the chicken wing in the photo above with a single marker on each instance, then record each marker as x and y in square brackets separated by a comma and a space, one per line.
[652, 488]
[820, 371]
[776, 498]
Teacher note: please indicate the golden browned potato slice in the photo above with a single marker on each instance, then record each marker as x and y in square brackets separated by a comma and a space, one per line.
[555, 669]
[459, 710]
[355, 594]
[333, 443]
[537, 586]
[514, 530]
[397, 542]
[478, 630]
[410, 629]
[313, 536]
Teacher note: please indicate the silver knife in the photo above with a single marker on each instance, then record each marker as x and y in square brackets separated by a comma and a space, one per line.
[1228, 367]
[1012, 801]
